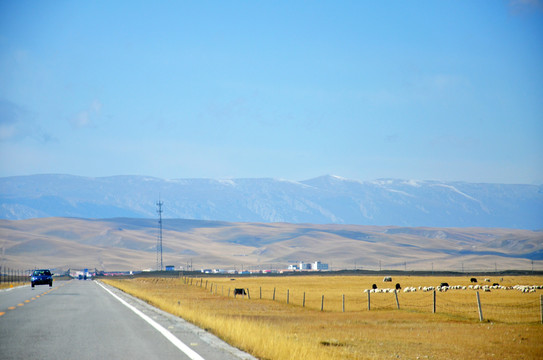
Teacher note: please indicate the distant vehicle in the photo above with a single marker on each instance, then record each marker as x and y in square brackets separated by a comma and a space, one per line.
[84, 275]
[41, 277]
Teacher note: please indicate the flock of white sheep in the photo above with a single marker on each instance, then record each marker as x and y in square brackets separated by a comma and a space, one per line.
[445, 287]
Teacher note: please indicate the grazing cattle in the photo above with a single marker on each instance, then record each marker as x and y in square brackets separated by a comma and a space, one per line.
[374, 286]
[444, 285]
[387, 279]
[495, 284]
[487, 280]
[473, 280]
[239, 291]
[398, 287]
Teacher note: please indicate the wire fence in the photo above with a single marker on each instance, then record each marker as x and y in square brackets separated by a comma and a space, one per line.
[506, 306]
[13, 277]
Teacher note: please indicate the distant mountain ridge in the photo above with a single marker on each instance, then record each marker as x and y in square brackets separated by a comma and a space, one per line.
[323, 200]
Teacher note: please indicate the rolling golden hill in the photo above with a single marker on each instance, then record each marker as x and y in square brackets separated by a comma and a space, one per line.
[130, 244]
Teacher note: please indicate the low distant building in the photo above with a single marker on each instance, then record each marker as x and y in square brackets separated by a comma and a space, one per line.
[317, 265]
[170, 267]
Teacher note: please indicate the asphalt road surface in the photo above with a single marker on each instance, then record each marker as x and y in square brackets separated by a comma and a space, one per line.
[89, 320]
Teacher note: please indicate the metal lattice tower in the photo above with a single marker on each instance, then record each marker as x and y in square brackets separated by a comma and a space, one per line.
[159, 264]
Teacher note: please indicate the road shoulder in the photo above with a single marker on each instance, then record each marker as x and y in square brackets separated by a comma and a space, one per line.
[201, 341]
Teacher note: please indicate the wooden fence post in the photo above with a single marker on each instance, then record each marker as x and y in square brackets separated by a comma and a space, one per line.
[303, 305]
[479, 306]
[288, 295]
[322, 303]
[228, 292]
[541, 305]
[397, 302]
[369, 302]
[343, 303]
[273, 294]
[434, 301]
[248, 294]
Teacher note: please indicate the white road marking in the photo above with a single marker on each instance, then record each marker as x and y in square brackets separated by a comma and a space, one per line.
[168, 335]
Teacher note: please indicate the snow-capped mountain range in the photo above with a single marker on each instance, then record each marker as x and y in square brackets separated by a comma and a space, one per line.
[322, 200]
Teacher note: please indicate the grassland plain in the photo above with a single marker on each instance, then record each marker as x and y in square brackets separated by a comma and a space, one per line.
[272, 329]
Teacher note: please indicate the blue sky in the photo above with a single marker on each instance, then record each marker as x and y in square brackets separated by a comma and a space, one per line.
[443, 90]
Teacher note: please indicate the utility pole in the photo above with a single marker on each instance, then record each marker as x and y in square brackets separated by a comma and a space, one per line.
[159, 264]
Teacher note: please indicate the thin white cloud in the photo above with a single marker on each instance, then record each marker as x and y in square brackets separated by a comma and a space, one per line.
[85, 118]
[81, 120]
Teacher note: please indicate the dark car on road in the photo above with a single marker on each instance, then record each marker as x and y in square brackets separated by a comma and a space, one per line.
[41, 277]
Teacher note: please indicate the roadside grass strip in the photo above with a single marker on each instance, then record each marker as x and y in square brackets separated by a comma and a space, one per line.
[168, 335]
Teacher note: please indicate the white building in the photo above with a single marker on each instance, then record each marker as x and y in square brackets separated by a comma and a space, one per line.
[317, 265]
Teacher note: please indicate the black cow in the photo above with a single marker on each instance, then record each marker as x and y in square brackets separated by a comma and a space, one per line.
[398, 287]
[239, 291]
[473, 280]
[374, 286]
[444, 284]
[495, 284]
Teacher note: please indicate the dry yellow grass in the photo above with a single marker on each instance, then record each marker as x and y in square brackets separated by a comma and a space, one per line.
[10, 284]
[274, 330]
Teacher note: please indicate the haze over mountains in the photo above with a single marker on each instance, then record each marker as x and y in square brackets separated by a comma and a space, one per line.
[323, 200]
[110, 223]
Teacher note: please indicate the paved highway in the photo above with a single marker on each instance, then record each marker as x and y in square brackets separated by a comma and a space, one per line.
[89, 320]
